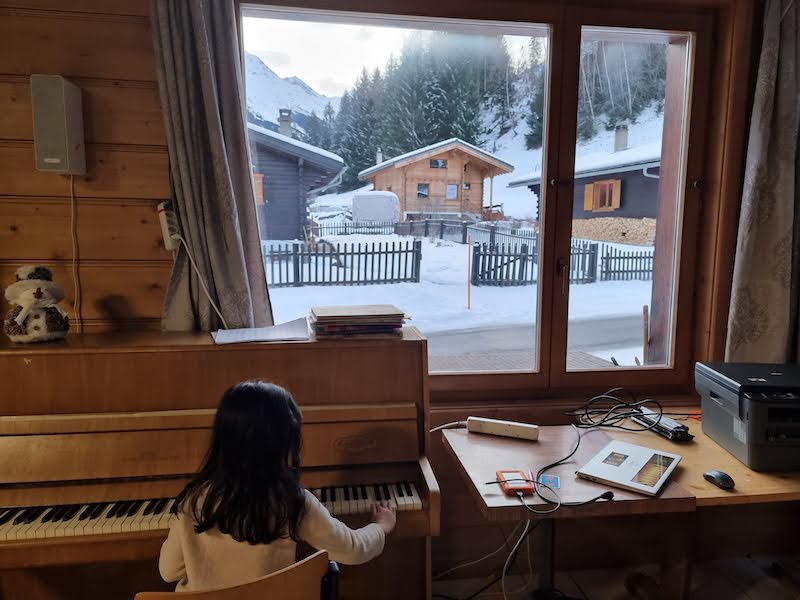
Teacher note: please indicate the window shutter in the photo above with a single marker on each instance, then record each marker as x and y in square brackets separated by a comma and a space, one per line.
[616, 195]
[258, 188]
[588, 197]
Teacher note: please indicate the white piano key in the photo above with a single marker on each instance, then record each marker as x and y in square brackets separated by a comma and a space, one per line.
[139, 518]
[71, 526]
[400, 497]
[5, 527]
[95, 526]
[29, 531]
[146, 523]
[61, 525]
[415, 498]
[338, 504]
[47, 529]
[166, 515]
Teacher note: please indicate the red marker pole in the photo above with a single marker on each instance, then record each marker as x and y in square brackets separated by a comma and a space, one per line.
[469, 269]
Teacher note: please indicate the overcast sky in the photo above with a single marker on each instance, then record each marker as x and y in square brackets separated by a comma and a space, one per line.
[330, 56]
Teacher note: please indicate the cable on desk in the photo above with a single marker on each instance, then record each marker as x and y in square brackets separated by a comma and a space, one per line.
[453, 425]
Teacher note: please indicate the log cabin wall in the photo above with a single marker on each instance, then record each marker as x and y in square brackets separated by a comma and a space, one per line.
[105, 47]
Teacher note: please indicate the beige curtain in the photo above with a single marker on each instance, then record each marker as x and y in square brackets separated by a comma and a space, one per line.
[763, 319]
[202, 97]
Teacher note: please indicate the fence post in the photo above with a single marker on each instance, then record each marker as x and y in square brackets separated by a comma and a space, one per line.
[296, 265]
[476, 258]
[592, 263]
[492, 235]
[523, 263]
[463, 232]
[425, 231]
[441, 229]
[417, 259]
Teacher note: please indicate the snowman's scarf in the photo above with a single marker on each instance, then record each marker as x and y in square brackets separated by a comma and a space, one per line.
[28, 305]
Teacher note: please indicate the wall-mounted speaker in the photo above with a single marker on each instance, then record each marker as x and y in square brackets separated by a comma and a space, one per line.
[57, 125]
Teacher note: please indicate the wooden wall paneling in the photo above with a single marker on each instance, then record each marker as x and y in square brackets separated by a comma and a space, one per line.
[114, 172]
[109, 7]
[112, 291]
[115, 112]
[76, 44]
[33, 228]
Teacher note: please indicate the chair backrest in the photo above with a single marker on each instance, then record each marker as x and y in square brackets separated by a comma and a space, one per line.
[303, 580]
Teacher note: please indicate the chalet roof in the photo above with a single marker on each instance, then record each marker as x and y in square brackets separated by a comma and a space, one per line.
[281, 143]
[500, 165]
[645, 156]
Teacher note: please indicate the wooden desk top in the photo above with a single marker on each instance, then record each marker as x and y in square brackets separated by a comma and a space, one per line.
[479, 456]
[703, 454]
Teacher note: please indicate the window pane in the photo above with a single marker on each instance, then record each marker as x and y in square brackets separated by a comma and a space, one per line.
[630, 162]
[387, 170]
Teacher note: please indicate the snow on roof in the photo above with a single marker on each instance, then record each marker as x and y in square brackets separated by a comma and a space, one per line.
[296, 143]
[441, 144]
[632, 159]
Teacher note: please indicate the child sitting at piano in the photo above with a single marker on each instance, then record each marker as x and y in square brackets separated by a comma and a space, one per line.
[242, 515]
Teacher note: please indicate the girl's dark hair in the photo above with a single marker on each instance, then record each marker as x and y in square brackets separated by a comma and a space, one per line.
[248, 486]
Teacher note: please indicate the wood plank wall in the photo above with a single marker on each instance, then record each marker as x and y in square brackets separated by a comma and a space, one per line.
[105, 47]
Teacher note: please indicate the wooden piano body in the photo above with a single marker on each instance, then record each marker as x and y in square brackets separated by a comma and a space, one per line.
[106, 418]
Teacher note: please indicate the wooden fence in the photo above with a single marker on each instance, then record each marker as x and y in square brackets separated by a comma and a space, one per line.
[618, 264]
[350, 227]
[515, 264]
[294, 265]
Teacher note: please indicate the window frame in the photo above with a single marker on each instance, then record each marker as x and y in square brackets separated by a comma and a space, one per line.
[441, 163]
[427, 195]
[564, 22]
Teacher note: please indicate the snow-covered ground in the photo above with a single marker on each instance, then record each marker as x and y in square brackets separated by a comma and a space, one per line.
[439, 302]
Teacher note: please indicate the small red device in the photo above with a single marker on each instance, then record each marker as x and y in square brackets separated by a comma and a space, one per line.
[515, 481]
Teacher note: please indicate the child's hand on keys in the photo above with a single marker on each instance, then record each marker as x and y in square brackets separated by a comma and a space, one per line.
[385, 516]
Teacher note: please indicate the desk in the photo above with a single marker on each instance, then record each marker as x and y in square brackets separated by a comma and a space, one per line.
[479, 456]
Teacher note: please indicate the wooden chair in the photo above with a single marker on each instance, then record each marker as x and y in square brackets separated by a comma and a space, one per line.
[313, 578]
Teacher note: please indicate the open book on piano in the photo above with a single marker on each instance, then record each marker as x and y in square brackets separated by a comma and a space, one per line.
[94, 452]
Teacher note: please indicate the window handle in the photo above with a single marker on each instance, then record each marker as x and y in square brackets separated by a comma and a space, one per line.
[562, 270]
[555, 181]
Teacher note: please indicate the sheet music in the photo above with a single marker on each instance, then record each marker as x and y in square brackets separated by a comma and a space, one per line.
[285, 332]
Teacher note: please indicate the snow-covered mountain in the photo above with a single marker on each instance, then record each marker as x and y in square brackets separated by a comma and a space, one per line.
[266, 93]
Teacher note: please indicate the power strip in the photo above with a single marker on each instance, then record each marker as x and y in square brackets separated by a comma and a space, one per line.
[169, 225]
[512, 429]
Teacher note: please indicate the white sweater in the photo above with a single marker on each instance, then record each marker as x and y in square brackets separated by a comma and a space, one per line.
[200, 561]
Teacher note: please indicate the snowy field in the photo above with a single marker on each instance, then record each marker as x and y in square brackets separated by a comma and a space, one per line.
[438, 303]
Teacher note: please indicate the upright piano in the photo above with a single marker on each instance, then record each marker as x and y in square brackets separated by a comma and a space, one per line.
[98, 433]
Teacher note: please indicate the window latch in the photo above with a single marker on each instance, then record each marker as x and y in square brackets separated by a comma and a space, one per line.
[555, 181]
[562, 269]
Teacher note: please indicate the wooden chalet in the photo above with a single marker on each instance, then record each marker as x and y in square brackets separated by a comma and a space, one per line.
[445, 177]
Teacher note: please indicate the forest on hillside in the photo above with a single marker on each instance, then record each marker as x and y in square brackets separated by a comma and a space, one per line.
[445, 85]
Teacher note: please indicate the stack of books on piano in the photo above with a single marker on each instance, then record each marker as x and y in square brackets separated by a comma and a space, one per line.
[373, 320]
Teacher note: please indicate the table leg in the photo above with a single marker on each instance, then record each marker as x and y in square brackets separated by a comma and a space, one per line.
[545, 555]
[676, 563]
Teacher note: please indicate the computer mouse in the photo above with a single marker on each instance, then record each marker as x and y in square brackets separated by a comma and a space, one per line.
[720, 479]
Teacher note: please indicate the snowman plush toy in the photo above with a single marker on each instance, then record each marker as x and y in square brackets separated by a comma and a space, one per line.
[35, 315]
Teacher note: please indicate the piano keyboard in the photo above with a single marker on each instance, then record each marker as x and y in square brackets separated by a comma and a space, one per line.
[39, 522]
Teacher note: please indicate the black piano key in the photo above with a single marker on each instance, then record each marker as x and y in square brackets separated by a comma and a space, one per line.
[117, 510]
[324, 495]
[386, 495]
[333, 494]
[48, 516]
[150, 506]
[378, 493]
[134, 508]
[364, 495]
[162, 502]
[58, 512]
[354, 492]
[347, 493]
[71, 512]
[98, 510]
[22, 516]
[35, 514]
[407, 487]
[8, 515]
[400, 491]
[87, 510]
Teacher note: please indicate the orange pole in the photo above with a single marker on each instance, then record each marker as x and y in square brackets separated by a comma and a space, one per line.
[469, 270]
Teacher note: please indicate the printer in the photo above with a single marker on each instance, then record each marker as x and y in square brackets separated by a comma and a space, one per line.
[753, 411]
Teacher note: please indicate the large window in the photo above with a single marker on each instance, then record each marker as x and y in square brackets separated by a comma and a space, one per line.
[544, 249]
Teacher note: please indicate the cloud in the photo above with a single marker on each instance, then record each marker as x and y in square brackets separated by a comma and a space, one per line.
[275, 58]
[329, 86]
[364, 34]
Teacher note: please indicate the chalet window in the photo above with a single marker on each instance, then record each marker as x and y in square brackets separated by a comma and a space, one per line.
[566, 309]
[602, 196]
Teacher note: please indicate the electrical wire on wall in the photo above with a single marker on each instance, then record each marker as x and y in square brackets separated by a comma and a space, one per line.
[76, 281]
